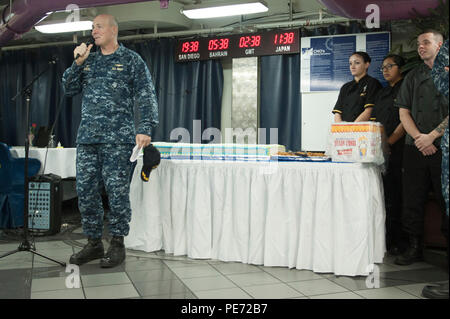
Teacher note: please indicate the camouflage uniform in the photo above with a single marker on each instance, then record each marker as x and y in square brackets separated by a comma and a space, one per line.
[440, 79]
[111, 86]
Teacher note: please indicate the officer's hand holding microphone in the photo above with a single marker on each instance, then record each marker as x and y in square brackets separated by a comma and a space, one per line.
[81, 52]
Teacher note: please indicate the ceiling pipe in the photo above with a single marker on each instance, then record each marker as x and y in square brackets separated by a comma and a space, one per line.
[291, 10]
[24, 14]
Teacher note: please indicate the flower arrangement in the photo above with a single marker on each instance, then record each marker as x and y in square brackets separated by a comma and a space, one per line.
[32, 133]
[33, 129]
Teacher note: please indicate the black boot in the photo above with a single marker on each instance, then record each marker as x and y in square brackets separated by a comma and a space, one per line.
[412, 254]
[115, 254]
[436, 292]
[398, 243]
[394, 250]
[92, 250]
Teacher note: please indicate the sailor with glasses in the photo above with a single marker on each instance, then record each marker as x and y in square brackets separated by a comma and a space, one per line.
[387, 114]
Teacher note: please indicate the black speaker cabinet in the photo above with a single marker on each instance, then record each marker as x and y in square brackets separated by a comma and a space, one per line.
[44, 204]
[42, 137]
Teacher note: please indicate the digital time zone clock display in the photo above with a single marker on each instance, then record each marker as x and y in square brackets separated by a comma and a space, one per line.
[237, 46]
[250, 41]
[190, 46]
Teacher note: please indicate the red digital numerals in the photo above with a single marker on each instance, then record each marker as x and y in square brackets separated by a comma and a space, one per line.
[189, 47]
[284, 38]
[250, 41]
[218, 44]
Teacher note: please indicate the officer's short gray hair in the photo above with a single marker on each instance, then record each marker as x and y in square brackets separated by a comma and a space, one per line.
[113, 21]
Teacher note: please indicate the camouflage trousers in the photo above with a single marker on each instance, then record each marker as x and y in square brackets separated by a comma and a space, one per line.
[444, 174]
[108, 165]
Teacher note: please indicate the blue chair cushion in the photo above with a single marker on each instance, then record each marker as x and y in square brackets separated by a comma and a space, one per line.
[12, 187]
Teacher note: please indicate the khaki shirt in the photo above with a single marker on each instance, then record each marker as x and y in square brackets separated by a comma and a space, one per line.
[419, 95]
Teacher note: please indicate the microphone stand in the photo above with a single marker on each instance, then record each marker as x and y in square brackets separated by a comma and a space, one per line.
[25, 245]
[52, 128]
[58, 111]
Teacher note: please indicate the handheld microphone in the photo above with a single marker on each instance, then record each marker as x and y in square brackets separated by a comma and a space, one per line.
[87, 44]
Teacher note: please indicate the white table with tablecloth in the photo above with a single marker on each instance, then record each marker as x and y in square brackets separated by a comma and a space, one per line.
[58, 161]
[323, 216]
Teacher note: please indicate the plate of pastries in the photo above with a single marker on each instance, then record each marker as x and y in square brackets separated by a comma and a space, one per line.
[301, 156]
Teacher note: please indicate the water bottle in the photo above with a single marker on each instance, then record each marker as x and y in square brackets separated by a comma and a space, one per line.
[51, 142]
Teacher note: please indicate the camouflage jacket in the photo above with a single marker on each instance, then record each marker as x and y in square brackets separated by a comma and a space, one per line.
[439, 75]
[112, 85]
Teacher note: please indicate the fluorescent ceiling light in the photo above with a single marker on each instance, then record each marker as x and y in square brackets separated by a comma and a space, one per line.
[64, 27]
[199, 12]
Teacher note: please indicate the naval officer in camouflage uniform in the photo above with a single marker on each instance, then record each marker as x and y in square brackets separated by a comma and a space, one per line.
[112, 80]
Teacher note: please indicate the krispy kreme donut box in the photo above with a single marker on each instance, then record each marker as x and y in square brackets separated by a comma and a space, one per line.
[360, 142]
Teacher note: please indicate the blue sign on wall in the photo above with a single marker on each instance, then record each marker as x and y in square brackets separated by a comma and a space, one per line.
[377, 46]
[325, 66]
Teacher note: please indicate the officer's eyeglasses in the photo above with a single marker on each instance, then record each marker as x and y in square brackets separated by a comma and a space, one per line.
[387, 67]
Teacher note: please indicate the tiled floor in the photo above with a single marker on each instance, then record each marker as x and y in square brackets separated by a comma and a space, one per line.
[159, 276]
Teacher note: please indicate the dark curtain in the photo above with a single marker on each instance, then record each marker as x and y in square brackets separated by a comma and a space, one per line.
[17, 70]
[280, 102]
[185, 91]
